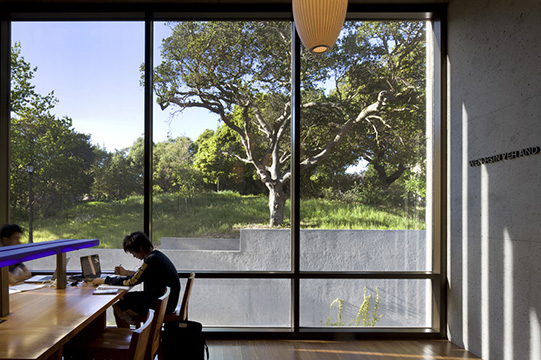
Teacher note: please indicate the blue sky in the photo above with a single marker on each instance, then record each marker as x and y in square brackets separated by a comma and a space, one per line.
[93, 68]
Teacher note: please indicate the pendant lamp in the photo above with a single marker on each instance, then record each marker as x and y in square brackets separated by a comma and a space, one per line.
[319, 22]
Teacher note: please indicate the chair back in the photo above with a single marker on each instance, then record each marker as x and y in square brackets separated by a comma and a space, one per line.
[140, 339]
[183, 314]
[156, 327]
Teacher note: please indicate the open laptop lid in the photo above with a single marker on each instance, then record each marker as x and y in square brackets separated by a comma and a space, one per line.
[90, 265]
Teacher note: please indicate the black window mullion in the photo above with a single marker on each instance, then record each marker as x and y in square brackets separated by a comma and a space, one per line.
[147, 171]
[5, 55]
[295, 176]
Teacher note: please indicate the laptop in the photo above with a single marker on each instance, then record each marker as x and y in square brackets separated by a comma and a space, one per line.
[91, 268]
[44, 278]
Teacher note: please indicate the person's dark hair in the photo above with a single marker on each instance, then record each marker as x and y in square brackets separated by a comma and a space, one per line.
[136, 242]
[10, 229]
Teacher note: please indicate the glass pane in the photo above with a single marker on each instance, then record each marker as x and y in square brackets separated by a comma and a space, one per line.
[241, 302]
[365, 303]
[76, 124]
[364, 131]
[363, 250]
[222, 144]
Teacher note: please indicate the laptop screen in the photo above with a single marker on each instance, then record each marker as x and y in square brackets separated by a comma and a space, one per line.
[90, 266]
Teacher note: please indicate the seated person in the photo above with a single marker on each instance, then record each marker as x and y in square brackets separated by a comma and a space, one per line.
[10, 234]
[156, 273]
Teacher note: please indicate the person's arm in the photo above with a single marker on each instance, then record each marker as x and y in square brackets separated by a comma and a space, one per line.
[130, 280]
[11, 278]
[19, 273]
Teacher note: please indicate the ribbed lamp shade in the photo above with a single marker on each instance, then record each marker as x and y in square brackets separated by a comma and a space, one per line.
[319, 22]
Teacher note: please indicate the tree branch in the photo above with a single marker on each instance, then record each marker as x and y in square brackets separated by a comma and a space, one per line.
[369, 110]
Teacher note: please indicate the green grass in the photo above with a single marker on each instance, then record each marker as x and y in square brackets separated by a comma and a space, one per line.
[214, 215]
[332, 214]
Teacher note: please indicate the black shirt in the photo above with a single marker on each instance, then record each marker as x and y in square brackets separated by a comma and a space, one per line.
[156, 273]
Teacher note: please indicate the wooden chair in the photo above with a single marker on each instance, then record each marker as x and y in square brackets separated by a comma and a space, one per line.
[181, 312]
[156, 332]
[121, 335]
[125, 344]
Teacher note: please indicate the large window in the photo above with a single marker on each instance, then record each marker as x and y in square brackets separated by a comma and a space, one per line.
[363, 169]
[222, 170]
[300, 188]
[76, 130]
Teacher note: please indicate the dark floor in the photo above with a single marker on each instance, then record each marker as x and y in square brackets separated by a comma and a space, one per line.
[335, 350]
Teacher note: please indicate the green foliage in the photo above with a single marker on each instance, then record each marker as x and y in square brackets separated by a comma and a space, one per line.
[366, 315]
[215, 158]
[407, 193]
[173, 168]
[108, 221]
[116, 176]
[62, 158]
[335, 214]
[326, 181]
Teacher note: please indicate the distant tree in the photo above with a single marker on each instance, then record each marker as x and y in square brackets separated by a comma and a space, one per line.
[61, 157]
[241, 72]
[135, 162]
[173, 167]
[119, 174]
[217, 168]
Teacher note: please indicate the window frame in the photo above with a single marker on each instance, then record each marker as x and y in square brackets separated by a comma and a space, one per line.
[148, 12]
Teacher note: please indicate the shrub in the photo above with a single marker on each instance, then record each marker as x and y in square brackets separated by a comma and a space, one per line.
[365, 316]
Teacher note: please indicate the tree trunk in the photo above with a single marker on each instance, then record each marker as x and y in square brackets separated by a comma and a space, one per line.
[277, 203]
[387, 180]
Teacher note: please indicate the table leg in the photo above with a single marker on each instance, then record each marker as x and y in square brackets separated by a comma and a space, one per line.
[4, 291]
[61, 271]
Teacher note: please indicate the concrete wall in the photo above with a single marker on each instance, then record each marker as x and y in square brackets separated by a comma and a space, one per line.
[321, 250]
[494, 209]
[267, 302]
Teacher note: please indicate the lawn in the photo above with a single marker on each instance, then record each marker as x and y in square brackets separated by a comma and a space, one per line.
[210, 215]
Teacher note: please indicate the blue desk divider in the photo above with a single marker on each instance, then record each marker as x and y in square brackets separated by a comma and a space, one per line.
[10, 255]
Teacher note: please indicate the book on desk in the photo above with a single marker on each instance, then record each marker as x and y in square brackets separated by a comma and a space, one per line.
[106, 289]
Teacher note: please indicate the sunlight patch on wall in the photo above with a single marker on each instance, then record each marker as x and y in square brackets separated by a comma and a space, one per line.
[508, 305]
[465, 218]
[485, 264]
[535, 336]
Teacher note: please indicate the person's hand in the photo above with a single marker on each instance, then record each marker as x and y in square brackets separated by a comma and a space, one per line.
[98, 281]
[119, 270]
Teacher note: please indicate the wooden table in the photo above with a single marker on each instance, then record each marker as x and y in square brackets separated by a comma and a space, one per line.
[42, 321]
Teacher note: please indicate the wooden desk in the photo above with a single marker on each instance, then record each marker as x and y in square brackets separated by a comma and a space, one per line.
[14, 254]
[42, 321]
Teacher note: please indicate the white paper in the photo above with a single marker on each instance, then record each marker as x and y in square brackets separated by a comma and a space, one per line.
[106, 286]
[24, 287]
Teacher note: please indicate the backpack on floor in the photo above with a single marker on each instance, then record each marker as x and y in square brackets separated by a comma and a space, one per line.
[184, 341]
